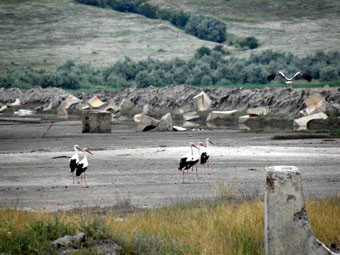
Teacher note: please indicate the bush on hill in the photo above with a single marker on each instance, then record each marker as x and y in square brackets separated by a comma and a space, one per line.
[207, 67]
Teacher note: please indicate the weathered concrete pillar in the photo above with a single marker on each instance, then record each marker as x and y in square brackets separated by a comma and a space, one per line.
[287, 228]
[96, 121]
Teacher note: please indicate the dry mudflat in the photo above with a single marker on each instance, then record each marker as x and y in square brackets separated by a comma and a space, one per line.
[142, 167]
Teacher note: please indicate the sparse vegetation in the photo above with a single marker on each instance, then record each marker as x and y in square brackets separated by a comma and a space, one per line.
[208, 67]
[231, 223]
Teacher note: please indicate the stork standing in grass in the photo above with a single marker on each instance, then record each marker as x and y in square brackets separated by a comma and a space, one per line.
[188, 161]
[290, 80]
[74, 160]
[82, 166]
[205, 154]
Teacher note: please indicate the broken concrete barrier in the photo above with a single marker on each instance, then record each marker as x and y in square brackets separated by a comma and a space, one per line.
[220, 115]
[287, 228]
[258, 111]
[145, 123]
[190, 116]
[243, 119]
[125, 106]
[202, 102]
[165, 124]
[96, 121]
[302, 123]
[315, 103]
[69, 100]
[95, 102]
[17, 102]
[3, 108]
[47, 107]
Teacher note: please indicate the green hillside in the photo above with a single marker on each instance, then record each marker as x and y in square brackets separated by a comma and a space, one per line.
[47, 33]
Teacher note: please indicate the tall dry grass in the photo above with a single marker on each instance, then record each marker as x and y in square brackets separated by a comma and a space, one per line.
[221, 226]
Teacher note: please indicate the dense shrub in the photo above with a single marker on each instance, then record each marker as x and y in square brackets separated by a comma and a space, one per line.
[249, 42]
[207, 28]
[207, 67]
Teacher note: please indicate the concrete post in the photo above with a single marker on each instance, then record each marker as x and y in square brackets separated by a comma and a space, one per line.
[96, 121]
[287, 229]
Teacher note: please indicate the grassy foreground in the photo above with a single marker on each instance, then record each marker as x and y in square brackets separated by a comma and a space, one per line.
[218, 227]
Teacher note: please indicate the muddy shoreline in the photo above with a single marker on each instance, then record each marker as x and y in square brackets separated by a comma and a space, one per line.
[142, 167]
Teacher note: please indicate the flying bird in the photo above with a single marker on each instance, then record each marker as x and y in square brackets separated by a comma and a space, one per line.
[74, 160]
[289, 80]
[188, 160]
[82, 166]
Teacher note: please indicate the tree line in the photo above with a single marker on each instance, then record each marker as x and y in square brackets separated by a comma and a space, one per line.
[209, 67]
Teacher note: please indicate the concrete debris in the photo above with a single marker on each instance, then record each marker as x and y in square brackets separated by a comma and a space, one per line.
[125, 106]
[95, 102]
[243, 119]
[23, 112]
[3, 108]
[315, 103]
[68, 101]
[69, 241]
[146, 123]
[111, 107]
[47, 107]
[220, 115]
[165, 124]
[190, 124]
[302, 123]
[202, 102]
[287, 228]
[17, 102]
[62, 112]
[190, 116]
[258, 111]
[96, 121]
[177, 128]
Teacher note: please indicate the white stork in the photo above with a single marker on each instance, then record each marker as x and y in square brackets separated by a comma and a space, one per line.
[188, 160]
[74, 160]
[82, 166]
[205, 155]
[290, 80]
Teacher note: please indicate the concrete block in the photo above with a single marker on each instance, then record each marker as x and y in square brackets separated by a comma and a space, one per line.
[125, 106]
[62, 112]
[243, 119]
[17, 102]
[302, 123]
[313, 103]
[287, 228]
[69, 100]
[96, 121]
[95, 102]
[47, 107]
[190, 116]
[202, 102]
[258, 111]
[3, 108]
[145, 123]
[165, 124]
[220, 115]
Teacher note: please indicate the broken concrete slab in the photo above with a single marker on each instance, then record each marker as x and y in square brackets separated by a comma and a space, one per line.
[95, 102]
[165, 124]
[190, 124]
[111, 107]
[47, 107]
[302, 123]
[3, 108]
[258, 111]
[17, 102]
[178, 128]
[68, 101]
[145, 123]
[125, 106]
[62, 112]
[190, 116]
[315, 103]
[243, 119]
[220, 115]
[96, 121]
[287, 228]
[202, 102]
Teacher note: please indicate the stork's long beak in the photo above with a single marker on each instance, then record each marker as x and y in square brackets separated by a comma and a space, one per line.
[194, 146]
[88, 151]
[211, 142]
[79, 149]
[201, 144]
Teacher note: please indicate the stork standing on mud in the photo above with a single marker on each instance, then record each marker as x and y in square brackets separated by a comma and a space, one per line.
[82, 166]
[74, 160]
[205, 154]
[188, 161]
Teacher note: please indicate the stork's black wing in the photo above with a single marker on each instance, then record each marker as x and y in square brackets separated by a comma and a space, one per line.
[80, 169]
[182, 163]
[73, 165]
[204, 158]
[307, 77]
[271, 77]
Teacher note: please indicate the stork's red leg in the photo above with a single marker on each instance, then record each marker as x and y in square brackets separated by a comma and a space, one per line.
[197, 173]
[85, 181]
[208, 168]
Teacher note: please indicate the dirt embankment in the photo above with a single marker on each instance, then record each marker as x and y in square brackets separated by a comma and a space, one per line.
[172, 98]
